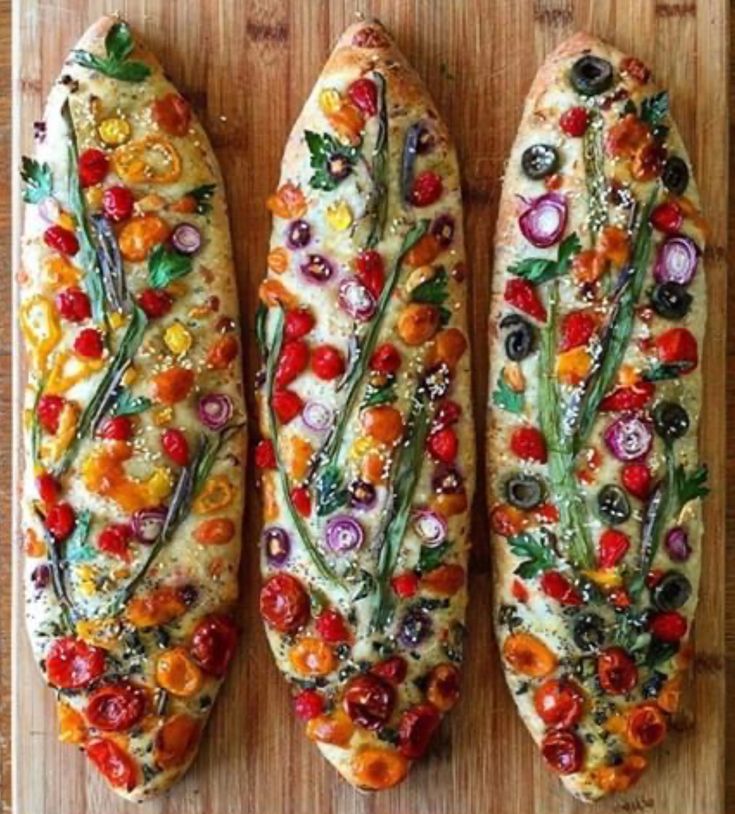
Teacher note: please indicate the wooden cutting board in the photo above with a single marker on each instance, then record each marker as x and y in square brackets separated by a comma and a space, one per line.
[247, 67]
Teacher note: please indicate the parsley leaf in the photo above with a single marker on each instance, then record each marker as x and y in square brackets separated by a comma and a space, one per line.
[654, 108]
[330, 495]
[118, 45]
[507, 399]
[166, 265]
[433, 291]
[539, 270]
[670, 370]
[37, 178]
[691, 486]
[332, 161]
[430, 557]
[203, 196]
[539, 557]
[77, 548]
[128, 404]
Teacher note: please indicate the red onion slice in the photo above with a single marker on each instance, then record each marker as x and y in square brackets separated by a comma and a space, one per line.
[430, 527]
[317, 416]
[356, 300]
[629, 438]
[317, 269]
[677, 544]
[298, 234]
[676, 260]
[277, 545]
[147, 523]
[186, 239]
[215, 410]
[344, 533]
[544, 220]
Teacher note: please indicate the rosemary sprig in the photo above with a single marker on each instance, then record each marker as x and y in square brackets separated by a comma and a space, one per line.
[58, 583]
[596, 180]
[110, 265]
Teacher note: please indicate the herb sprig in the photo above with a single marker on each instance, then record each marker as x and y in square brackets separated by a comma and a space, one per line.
[119, 45]
[166, 265]
[326, 150]
[539, 557]
[38, 180]
[378, 198]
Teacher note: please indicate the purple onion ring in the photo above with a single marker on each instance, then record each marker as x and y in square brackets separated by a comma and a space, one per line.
[544, 220]
[215, 410]
[356, 300]
[629, 438]
[277, 545]
[676, 260]
[317, 416]
[186, 239]
[147, 523]
[317, 269]
[344, 533]
[430, 527]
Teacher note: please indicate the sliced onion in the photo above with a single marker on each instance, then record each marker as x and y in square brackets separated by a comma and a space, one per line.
[677, 544]
[676, 261]
[147, 523]
[430, 527]
[629, 438]
[356, 300]
[215, 410]
[298, 234]
[49, 209]
[344, 533]
[362, 494]
[317, 269]
[277, 545]
[544, 220]
[317, 416]
[186, 238]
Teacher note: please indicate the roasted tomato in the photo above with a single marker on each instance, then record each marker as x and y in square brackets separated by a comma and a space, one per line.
[416, 729]
[172, 113]
[175, 741]
[116, 707]
[443, 686]
[213, 643]
[369, 701]
[617, 671]
[72, 663]
[559, 702]
[114, 763]
[393, 669]
[646, 726]
[284, 603]
[563, 751]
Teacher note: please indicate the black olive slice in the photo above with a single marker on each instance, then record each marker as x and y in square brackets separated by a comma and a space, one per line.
[671, 420]
[675, 175]
[591, 75]
[524, 491]
[672, 592]
[589, 632]
[613, 505]
[540, 160]
[520, 339]
[671, 300]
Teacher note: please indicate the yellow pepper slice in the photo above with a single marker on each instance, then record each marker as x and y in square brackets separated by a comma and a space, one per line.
[40, 326]
[152, 160]
[216, 494]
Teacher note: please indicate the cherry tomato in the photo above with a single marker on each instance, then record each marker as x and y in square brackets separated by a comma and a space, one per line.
[636, 478]
[667, 217]
[155, 302]
[559, 702]
[301, 500]
[73, 304]
[114, 540]
[669, 626]
[308, 704]
[116, 707]
[519, 591]
[298, 323]
[427, 188]
[678, 346]
[563, 751]
[613, 546]
[364, 95]
[113, 762]
[646, 726]
[62, 240]
[370, 271]
[284, 603]
[286, 405]
[172, 113]
[49, 409]
[48, 488]
[405, 585]
[331, 626]
[176, 446]
[616, 671]
[386, 359]
[93, 167]
[89, 344]
[448, 412]
[574, 121]
[443, 445]
[557, 586]
[369, 700]
[523, 296]
[577, 328]
[117, 203]
[116, 428]
[213, 643]
[443, 686]
[628, 398]
[636, 69]
[265, 454]
[416, 728]
[393, 669]
[327, 362]
[72, 663]
[529, 444]
[293, 360]
[60, 521]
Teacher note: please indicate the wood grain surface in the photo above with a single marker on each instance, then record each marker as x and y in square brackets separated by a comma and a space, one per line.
[247, 67]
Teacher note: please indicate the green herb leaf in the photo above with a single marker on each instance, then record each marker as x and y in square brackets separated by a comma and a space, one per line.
[202, 195]
[330, 495]
[430, 557]
[433, 291]
[507, 399]
[326, 150]
[539, 557]
[166, 265]
[261, 318]
[669, 370]
[118, 45]
[119, 42]
[385, 394]
[38, 180]
[128, 404]
[539, 270]
[654, 108]
[690, 486]
[77, 548]
[659, 652]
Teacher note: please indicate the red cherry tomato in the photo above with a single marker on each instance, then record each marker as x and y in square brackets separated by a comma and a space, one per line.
[293, 360]
[393, 669]
[519, 591]
[48, 488]
[331, 626]
[72, 663]
[667, 217]
[308, 704]
[114, 540]
[523, 296]
[678, 346]
[574, 121]
[628, 398]
[636, 478]
[576, 329]
[616, 671]
[155, 302]
[646, 726]
[636, 69]
[176, 446]
[265, 454]
[286, 405]
[405, 585]
[89, 344]
[386, 359]
[327, 362]
[669, 626]
[93, 167]
[301, 500]
[117, 203]
[116, 428]
[369, 700]
[443, 445]
[427, 188]
[448, 412]
[73, 304]
[370, 271]
[416, 728]
[563, 751]
[116, 707]
[529, 444]
[559, 702]
[558, 587]
[113, 763]
[48, 410]
[62, 240]
[613, 546]
[298, 323]
[284, 603]
[172, 113]
[364, 95]
[60, 521]
[213, 643]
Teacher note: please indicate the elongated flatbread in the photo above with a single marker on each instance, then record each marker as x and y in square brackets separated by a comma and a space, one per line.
[367, 459]
[597, 316]
[133, 477]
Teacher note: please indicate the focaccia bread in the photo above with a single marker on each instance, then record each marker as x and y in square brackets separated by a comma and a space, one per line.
[598, 314]
[367, 459]
[133, 415]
